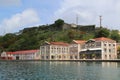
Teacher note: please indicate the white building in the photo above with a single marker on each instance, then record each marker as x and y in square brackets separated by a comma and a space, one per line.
[54, 51]
[75, 48]
[21, 55]
[99, 48]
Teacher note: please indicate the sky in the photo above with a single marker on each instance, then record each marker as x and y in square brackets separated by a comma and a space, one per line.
[16, 15]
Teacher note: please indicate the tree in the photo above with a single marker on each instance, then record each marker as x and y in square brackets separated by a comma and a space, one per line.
[7, 40]
[115, 35]
[93, 55]
[59, 23]
[102, 32]
[71, 34]
[118, 52]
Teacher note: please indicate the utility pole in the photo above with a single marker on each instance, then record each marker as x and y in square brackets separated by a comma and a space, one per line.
[100, 21]
[76, 19]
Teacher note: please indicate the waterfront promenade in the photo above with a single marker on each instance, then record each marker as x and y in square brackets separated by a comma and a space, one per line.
[86, 60]
[80, 60]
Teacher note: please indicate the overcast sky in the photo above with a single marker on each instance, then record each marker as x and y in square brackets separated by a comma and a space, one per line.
[18, 14]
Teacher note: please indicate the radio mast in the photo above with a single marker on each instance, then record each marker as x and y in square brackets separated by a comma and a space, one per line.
[76, 19]
[100, 21]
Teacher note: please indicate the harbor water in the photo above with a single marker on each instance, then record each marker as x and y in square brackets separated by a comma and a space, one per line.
[45, 70]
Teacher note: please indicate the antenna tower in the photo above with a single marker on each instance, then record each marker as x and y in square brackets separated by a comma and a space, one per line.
[100, 21]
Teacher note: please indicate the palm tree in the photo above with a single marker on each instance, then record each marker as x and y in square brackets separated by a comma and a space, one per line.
[84, 56]
[118, 52]
[93, 55]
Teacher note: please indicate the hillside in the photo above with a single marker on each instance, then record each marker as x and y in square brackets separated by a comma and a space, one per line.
[32, 38]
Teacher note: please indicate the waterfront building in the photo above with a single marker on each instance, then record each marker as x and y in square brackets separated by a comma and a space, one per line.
[99, 48]
[75, 48]
[21, 55]
[54, 51]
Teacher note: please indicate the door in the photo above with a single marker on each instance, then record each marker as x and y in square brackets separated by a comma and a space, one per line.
[17, 57]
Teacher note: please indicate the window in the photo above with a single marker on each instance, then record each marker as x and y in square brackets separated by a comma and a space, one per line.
[109, 44]
[113, 44]
[98, 43]
[110, 56]
[105, 50]
[75, 57]
[52, 57]
[42, 57]
[104, 44]
[105, 56]
[59, 56]
[46, 57]
[110, 50]
[71, 57]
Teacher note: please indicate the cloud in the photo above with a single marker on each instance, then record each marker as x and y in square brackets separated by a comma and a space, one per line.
[18, 21]
[88, 12]
[10, 2]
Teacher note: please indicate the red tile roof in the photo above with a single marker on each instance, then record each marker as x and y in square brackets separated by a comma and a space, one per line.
[79, 41]
[104, 39]
[23, 52]
[59, 43]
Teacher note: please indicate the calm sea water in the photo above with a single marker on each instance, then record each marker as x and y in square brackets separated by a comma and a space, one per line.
[59, 70]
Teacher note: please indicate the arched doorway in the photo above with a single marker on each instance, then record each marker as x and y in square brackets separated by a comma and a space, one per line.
[52, 57]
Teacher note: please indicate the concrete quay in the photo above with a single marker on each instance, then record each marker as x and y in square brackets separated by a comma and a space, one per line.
[81, 60]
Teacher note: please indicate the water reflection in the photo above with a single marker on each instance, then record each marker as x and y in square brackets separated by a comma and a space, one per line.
[110, 71]
[110, 64]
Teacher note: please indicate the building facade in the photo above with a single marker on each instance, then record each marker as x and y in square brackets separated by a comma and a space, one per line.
[21, 55]
[54, 51]
[99, 48]
[75, 48]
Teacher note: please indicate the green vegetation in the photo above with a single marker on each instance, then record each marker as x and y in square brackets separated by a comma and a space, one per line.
[118, 52]
[102, 32]
[32, 38]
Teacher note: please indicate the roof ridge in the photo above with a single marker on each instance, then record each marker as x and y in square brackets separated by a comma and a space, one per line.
[79, 41]
[59, 43]
[104, 38]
